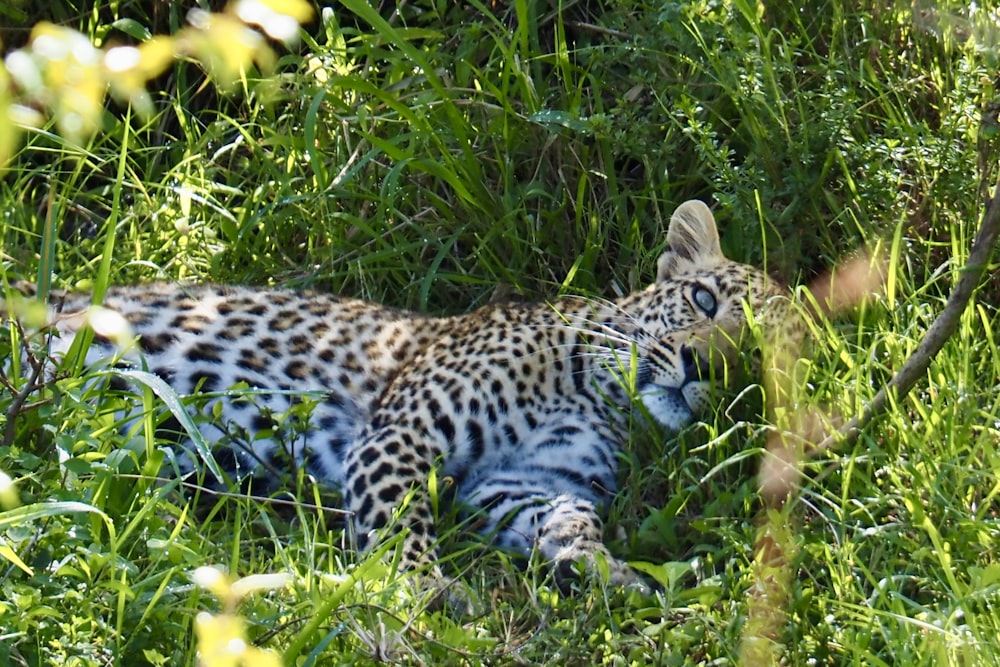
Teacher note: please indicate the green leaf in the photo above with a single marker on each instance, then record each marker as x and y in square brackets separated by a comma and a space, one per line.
[667, 574]
[986, 576]
[133, 29]
[173, 402]
[28, 513]
[570, 121]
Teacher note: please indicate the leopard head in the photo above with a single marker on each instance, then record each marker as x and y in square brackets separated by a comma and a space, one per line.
[693, 318]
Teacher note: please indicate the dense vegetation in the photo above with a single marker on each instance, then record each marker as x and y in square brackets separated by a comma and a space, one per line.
[435, 155]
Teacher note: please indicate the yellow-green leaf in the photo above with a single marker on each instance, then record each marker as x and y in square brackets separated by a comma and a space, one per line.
[8, 554]
[74, 84]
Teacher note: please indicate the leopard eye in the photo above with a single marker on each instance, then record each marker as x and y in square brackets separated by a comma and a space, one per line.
[705, 300]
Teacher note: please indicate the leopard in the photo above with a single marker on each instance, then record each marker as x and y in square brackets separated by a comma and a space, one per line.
[524, 408]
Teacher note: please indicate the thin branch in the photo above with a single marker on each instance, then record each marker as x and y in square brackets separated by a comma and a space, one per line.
[601, 30]
[30, 386]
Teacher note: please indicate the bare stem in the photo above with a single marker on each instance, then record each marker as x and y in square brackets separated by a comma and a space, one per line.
[29, 387]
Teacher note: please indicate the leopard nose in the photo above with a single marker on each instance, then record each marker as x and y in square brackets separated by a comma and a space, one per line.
[696, 368]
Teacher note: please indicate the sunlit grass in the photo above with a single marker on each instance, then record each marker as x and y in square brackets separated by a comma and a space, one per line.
[447, 156]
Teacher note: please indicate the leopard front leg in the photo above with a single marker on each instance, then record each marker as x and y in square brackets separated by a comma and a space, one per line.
[571, 533]
[384, 468]
[564, 528]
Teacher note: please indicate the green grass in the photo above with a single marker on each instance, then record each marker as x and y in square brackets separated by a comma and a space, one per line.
[448, 155]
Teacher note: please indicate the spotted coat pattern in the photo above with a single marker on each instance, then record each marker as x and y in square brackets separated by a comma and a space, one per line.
[524, 407]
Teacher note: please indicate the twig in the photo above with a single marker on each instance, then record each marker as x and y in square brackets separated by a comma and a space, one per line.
[601, 30]
[938, 333]
[29, 387]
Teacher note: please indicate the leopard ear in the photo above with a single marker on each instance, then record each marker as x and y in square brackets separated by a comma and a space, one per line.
[692, 241]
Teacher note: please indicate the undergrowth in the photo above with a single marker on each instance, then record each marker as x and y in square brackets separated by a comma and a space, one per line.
[444, 155]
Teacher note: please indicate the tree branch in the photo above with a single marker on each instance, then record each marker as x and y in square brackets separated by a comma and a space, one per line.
[939, 332]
